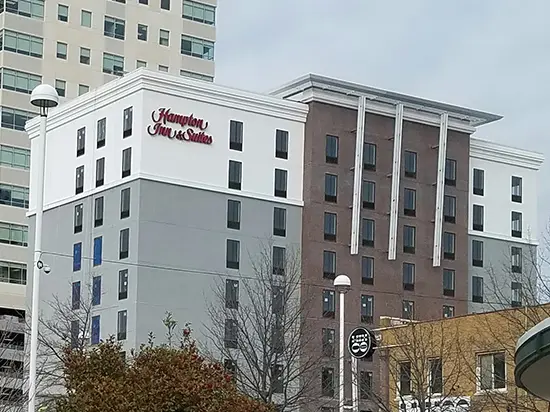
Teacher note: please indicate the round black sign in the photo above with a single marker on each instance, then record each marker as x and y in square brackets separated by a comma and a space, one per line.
[361, 343]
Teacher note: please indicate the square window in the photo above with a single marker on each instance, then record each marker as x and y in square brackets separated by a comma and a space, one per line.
[60, 87]
[124, 244]
[165, 4]
[113, 64]
[61, 51]
[235, 175]
[82, 89]
[126, 162]
[86, 18]
[448, 311]
[281, 144]
[236, 135]
[63, 13]
[164, 37]
[329, 264]
[331, 149]
[115, 28]
[233, 254]
[410, 164]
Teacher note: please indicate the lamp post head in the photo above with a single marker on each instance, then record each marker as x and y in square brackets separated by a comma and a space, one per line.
[44, 97]
[342, 283]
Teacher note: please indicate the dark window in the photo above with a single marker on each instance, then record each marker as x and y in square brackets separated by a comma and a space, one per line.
[279, 260]
[367, 270]
[367, 309]
[365, 384]
[408, 309]
[329, 304]
[477, 289]
[409, 270]
[369, 156]
[448, 311]
[436, 376]
[409, 202]
[75, 333]
[277, 378]
[123, 284]
[410, 164]
[231, 294]
[449, 245]
[405, 378]
[78, 211]
[126, 162]
[125, 203]
[516, 189]
[99, 172]
[101, 132]
[450, 172]
[367, 232]
[477, 253]
[516, 224]
[277, 303]
[124, 246]
[95, 330]
[516, 257]
[449, 209]
[330, 226]
[327, 382]
[230, 367]
[165, 4]
[448, 282]
[279, 221]
[80, 141]
[479, 182]
[96, 290]
[236, 135]
[329, 342]
[409, 239]
[477, 219]
[517, 297]
[331, 188]
[77, 256]
[79, 183]
[331, 149]
[98, 251]
[369, 193]
[232, 254]
[235, 173]
[75, 298]
[122, 324]
[233, 214]
[98, 211]
[128, 119]
[281, 177]
[231, 332]
[281, 144]
[329, 264]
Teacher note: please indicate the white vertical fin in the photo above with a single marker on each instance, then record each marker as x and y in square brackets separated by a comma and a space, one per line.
[440, 191]
[358, 176]
[395, 182]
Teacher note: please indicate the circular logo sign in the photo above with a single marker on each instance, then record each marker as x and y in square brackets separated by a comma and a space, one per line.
[361, 343]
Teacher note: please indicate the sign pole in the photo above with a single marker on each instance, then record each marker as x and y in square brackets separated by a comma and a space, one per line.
[354, 384]
[361, 344]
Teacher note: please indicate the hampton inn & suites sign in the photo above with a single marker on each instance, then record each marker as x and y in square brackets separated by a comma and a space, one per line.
[178, 126]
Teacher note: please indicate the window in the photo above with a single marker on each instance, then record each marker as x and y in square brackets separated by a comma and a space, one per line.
[13, 273]
[124, 246]
[96, 290]
[199, 12]
[405, 378]
[436, 376]
[95, 330]
[79, 182]
[99, 172]
[122, 324]
[409, 239]
[123, 284]
[233, 214]
[367, 232]
[477, 289]
[163, 68]
[98, 250]
[140, 63]
[410, 164]
[367, 270]
[127, 121]
[449, 245]
[27, 8]
[20, 82]
[236, 135]
[277, 304]
[231, 334]
[113, 64]
[126, 162]
[516, 189]
[448, 311]
[195, 47]
[408, 309]
[15, 119]
[327, 382]
[477, 253]
[60, 87]
[369, 193]
[479, 182]
[232, 255]
[15, 157]
[142, 32]
[517, 288]
[367, 309]
[331, 188]
[125, 203]
[516, 257]
[328, 342]
[164, 37]
[449, 209]
[281, 177]
[235, 175]
[331, 149]
[516, 224]
[477, 220]
[143, 1]
[13, 234]
[62, 13]
[450, 172]
[448, 282]
[77, 256]
[75, 333]
[198, 76]
[21, 43]
[365, 384]
[329, 304]
[369, 156]
[279, 260]
[75, 296]
[492, 371]
[165, 4]
[279, 221]
[409, 202]
[113, 27]
[329, 264]
[82, 89]
[277, 378]
[61, 51]
[86, 18]
[231, 294]
[98, 211]
[78, 218]
[409, 270]
[330, 226]
[281, 144]
[101, 132]
[85, 55]
[15, 196]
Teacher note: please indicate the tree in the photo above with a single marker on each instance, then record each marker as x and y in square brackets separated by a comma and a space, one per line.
[258, 327]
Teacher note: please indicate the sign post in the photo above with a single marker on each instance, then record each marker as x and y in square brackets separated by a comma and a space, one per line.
[361, 344]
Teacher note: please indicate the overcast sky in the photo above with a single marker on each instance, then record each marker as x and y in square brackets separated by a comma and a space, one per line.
[491, 55]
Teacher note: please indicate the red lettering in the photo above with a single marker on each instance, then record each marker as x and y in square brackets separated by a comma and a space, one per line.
[164, 116]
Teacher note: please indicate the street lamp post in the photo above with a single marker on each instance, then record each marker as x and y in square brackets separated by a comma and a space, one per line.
[342, 284]
[44, 97]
